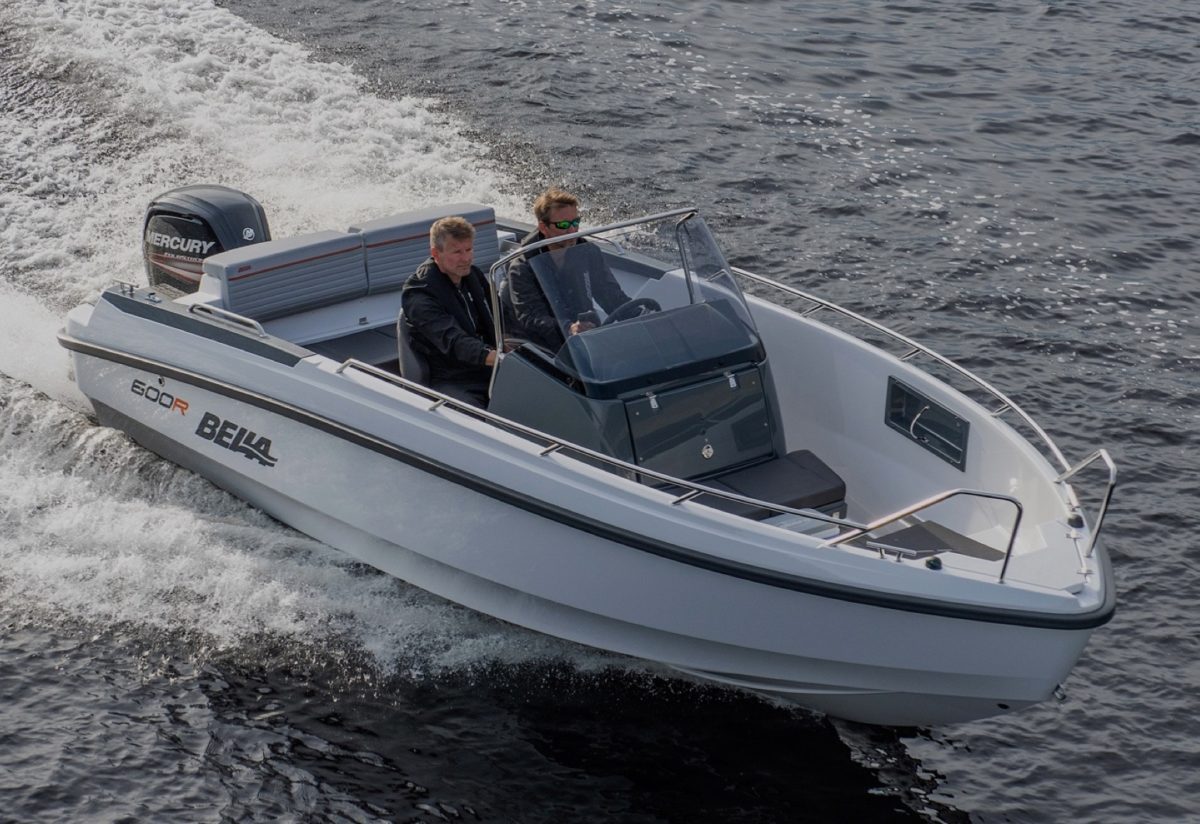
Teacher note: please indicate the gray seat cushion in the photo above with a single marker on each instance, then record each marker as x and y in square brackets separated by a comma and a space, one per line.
[396, 245]
[282, 277]
[798, 479]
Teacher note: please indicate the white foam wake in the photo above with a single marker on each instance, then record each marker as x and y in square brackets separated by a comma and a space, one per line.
[29, 350]
[118, 100]
[94, 528]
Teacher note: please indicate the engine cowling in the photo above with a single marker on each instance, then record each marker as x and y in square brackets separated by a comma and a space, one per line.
[186, 225]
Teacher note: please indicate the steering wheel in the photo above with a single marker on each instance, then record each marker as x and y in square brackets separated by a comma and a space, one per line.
[632, 309]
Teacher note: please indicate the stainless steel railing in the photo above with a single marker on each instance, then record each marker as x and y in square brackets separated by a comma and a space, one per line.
[691, 490]
[551, 445]
[914, 348]
[879, 523]
[231, 318]
[1099, 454]
[683, 490]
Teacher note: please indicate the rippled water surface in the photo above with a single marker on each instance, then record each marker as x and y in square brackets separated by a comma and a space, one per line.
[1013, 184]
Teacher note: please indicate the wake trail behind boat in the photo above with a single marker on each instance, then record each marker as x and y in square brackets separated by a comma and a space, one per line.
[29, 351]
[97, 529]
[116, 103]
[104, 108]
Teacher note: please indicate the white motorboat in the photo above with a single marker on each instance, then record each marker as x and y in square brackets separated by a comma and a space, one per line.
[722, 483]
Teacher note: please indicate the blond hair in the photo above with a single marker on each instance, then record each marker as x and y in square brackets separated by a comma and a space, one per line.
[551, 199]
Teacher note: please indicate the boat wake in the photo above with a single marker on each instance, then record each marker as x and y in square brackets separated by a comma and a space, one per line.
[98, 530]
[29, 352]
[115, 104]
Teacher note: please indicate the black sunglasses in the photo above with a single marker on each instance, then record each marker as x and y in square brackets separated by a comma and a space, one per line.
[565, 224]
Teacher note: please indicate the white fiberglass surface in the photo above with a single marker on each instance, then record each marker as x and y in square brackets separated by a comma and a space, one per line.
[832, 391]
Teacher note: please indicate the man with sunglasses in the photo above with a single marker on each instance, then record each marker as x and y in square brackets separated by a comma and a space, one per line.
[581, 290]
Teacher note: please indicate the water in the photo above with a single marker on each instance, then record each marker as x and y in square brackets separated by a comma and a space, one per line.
[1012, 184]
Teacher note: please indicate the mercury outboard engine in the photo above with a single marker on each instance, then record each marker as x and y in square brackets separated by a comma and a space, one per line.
[186, 225]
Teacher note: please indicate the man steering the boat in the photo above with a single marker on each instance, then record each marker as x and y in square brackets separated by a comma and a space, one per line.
[578, 286]
[446, 305]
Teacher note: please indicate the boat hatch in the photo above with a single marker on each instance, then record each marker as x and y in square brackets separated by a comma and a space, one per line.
[928, 423]
[689, 431]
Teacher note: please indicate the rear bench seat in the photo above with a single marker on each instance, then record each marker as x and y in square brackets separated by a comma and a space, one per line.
[309, 274]
[284, 277]
[395, 246]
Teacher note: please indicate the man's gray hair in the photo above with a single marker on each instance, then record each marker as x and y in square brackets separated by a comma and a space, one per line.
[454, 226]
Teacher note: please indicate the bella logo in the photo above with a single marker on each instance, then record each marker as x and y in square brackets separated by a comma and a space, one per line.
[236, 438]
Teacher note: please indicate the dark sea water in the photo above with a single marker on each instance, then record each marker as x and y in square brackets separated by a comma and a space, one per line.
[1014, 184]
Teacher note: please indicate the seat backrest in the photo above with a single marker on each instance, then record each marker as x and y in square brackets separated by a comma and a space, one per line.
[508, 312]
[281, 277]
[412, 363]
[397, 245]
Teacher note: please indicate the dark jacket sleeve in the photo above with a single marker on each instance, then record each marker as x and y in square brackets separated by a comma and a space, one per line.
[437, 328]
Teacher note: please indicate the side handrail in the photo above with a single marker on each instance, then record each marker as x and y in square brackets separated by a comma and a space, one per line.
[1099, 454]
[936, 499]
[1006, 403]
[689, 489]
[915, 347]
[226, 316]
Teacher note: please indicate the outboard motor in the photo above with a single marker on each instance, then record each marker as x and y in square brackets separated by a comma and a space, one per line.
[186, 225]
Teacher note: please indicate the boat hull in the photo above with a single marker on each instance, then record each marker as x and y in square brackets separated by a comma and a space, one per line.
[624, 574]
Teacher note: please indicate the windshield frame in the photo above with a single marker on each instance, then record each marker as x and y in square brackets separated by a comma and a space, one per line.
[684, 266]
[502, 263]
[582, 233]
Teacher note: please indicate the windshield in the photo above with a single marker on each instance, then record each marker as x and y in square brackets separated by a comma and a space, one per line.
[631, 304]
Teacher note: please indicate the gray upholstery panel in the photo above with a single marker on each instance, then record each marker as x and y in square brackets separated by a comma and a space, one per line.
[398, 244]
[413, 364]
[282, 277]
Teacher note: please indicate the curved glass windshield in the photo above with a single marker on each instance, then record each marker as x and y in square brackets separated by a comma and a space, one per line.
[639, 304]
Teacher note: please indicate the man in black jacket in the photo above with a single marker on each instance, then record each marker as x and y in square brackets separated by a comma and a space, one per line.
[446, 304]
[557, 213]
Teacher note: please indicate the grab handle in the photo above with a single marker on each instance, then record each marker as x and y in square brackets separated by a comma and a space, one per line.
[1099, 454]
[226, 316]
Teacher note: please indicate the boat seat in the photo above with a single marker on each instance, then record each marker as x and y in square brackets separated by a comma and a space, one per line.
[288, 276]
[413, 365]
[283, 277]
[513, 330]
[398, 244]
[799, 480]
